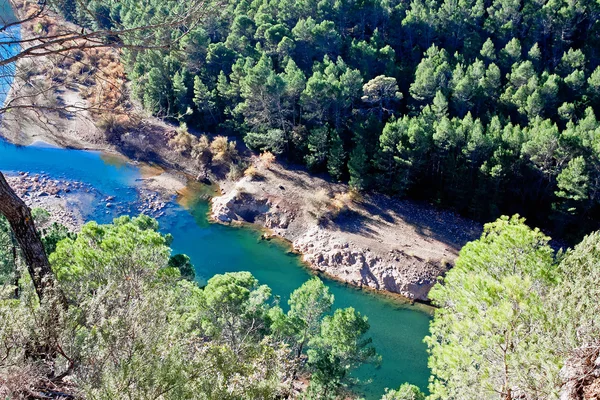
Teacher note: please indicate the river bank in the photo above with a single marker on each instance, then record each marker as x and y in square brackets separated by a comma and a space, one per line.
[369, 241]
[397, 327]
[58, 197]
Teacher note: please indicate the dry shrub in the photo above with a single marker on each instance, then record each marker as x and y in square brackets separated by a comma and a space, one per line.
[201, 151]
[252, 172]
[320, 202]
[267, 159]
[183, 142]
[98, 70]
[114, 125]
[76, 70]
[223, 150]
[342, 202]
[235, 172]
[326, 207]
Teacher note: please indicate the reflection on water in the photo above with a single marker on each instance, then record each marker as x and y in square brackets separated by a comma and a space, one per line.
[193, 196]
[397, 328]
[115, 160]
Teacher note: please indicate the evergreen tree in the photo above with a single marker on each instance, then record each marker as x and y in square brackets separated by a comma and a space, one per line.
[336, 156]
[358, 167]
[317, 147]
[573, 186]
[484, 340]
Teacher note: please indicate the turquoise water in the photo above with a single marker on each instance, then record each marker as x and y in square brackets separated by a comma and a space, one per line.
[397, 328]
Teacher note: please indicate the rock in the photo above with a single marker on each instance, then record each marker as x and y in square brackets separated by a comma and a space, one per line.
[224, 218]
[43, 194]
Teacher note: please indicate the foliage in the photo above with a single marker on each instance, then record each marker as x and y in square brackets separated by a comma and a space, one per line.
[405, 392]
[512, 313]
[477, 88]
[134, 329]
[184, 265]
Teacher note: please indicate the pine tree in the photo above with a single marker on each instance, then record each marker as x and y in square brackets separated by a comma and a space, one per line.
[573, 184]
[317, 147]
[336, 157]
[358, 167]
[180, 94]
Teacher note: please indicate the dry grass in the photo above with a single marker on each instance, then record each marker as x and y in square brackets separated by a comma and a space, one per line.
[99, 72]
[267, 159]
[327, 207]
[252, 172]
[342, 202]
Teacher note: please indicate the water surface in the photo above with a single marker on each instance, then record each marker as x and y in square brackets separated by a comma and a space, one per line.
[397, 328]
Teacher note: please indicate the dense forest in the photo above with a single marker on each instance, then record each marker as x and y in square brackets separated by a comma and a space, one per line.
[486, 107]
[138, 327]
[513, 319]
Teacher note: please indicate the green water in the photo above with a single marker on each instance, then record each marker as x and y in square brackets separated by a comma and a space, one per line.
[397, 329]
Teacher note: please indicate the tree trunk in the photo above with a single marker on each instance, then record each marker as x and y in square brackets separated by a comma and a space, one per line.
[19, 216]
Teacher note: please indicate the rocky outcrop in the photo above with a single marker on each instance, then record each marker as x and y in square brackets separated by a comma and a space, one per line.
[397, 273]
[324, 251]
[38, 190]
[238, 206]
[581, 374]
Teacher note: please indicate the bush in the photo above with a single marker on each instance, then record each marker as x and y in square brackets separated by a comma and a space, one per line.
[223, 150]
[235, 172]
[267, 159]
[183, 142]
[114, 125]
[252, 172]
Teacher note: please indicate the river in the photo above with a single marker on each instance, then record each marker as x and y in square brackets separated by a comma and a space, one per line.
[397, 328]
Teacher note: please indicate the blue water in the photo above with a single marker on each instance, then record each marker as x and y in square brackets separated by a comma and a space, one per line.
[397, 328]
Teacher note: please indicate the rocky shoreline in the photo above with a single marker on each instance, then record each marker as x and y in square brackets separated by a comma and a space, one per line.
[53, 195]
[399, 273]
[371, 258]
[67, 200]
[326, 253]
[384, 257]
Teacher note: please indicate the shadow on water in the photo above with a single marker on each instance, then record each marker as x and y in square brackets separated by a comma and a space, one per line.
[397, 328]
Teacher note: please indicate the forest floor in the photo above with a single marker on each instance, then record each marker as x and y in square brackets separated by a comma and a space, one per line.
[370, 240]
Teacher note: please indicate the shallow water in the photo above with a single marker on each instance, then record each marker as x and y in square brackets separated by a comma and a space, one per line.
[397, 328]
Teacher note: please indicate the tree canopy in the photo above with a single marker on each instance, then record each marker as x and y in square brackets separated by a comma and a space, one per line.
[133, 326]
[498, 101]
